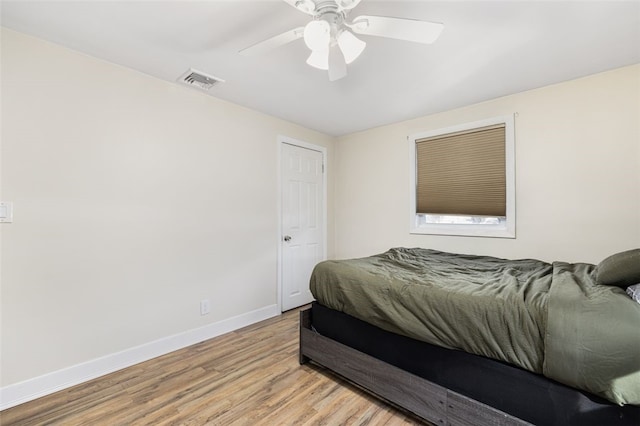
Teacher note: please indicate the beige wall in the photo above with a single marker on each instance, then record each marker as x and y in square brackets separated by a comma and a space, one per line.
[134, 199]
[577, 175]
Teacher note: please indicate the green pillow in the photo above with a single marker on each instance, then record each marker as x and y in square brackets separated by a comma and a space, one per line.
[621, 269]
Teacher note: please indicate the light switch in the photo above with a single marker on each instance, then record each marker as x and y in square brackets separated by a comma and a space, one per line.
[6, 212]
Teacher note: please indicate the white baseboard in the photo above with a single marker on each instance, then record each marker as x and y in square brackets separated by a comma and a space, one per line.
[37, 387]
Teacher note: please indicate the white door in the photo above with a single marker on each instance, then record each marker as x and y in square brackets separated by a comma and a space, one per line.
[302, 222]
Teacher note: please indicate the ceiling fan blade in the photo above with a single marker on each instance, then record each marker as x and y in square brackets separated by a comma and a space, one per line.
[273, 42]
[399, 28]
[337, 64]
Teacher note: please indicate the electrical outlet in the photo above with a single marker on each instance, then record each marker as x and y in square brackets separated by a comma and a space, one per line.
[205, 307]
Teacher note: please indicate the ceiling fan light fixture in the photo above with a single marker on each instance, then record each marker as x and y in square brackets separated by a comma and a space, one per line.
[319, 59]
[317, 35]
[348, 4]
[350, 45]
[305, 6]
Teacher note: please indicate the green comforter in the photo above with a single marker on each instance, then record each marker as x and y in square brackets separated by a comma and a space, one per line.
[551, 319]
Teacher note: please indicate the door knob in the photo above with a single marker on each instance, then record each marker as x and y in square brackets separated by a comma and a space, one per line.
[287, 238]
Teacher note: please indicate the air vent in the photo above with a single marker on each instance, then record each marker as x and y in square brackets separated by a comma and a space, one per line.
[199, 80]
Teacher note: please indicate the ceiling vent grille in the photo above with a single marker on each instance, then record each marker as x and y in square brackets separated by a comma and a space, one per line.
[199, 80]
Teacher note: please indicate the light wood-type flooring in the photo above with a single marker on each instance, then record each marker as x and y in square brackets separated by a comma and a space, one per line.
[247, 377]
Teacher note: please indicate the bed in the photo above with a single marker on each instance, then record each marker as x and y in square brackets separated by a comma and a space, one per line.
[461, 339]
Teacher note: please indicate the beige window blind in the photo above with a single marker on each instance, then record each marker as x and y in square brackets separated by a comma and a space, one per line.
[462, 173]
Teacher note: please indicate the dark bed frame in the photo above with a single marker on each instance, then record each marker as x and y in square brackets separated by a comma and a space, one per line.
[444, 386]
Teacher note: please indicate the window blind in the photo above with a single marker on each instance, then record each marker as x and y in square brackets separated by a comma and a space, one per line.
[462, 173]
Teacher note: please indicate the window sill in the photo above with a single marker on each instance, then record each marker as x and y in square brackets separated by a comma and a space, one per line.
[465, 230]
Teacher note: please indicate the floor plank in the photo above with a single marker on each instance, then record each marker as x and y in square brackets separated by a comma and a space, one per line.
[247, 377]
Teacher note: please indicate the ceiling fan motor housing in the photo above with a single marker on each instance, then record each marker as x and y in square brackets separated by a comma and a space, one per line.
[329, 12]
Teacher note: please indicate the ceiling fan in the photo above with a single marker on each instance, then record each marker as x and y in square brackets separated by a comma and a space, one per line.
[331, 39]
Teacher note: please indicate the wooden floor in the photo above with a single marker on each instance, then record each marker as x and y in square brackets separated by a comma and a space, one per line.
[247, 377]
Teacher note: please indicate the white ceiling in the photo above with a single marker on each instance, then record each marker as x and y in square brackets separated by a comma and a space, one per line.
[488, 49]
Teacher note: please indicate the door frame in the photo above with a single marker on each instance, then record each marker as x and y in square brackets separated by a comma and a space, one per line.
[285, 140]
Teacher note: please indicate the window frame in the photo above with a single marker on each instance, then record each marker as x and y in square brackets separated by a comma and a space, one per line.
[506, 228]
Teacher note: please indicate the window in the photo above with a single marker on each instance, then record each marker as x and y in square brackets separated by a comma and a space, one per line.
[463, 180]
